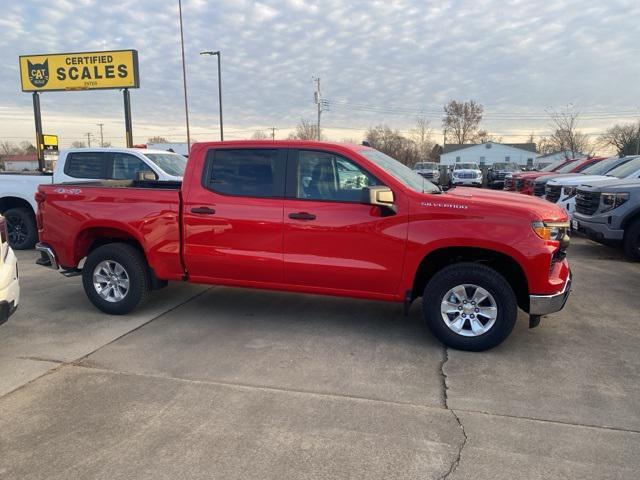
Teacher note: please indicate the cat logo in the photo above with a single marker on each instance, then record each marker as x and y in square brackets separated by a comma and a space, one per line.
[38, 73]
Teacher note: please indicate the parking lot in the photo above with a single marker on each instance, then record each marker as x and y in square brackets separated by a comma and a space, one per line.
[212, 382]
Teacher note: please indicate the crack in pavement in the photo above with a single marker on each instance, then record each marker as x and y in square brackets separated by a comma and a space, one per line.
[456, 460]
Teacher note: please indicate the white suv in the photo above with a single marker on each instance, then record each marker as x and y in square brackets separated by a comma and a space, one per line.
[9, 284]
[466, 174]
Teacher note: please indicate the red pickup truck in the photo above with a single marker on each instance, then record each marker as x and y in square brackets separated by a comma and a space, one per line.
[319, 218]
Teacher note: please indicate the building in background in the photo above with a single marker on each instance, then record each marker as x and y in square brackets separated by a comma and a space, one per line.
[488, 153]
[19, 163]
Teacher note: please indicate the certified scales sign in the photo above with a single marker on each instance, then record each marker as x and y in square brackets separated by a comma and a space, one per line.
[79, 71]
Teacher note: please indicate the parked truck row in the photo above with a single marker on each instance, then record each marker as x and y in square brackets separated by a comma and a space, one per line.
[601, 195]
[319, 218]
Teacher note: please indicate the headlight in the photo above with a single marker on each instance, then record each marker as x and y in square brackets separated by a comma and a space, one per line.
[550, 230]
[613, 200]
[436, 174]
[570, 191]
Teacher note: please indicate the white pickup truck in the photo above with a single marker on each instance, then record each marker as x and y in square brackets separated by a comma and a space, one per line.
[17, 202]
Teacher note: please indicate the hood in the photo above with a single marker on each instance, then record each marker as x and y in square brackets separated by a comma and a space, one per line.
[532, 175]
[575, 179]
[465, 170]
[426, 170]
[613, 184]
[519, 205]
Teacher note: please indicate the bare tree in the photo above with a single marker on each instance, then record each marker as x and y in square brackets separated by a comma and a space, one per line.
[565, 136]
[8, 148]
[483, 137]
[624, 138]
[421, 135]
[28, 148]
[305, 130]
[259, 135]
[78, 144]
[157, 139]
[461, 120]
[391, 142]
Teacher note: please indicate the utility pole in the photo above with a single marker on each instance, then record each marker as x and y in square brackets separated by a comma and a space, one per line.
[184, 79]
[101, 136]
[273, 133]
[318, 99]
[88, 134]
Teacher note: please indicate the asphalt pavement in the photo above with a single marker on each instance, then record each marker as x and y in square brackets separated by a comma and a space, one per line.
[213, 382]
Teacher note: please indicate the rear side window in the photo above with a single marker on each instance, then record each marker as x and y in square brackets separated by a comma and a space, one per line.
[87, 165]
[126, 166]
[246, 172]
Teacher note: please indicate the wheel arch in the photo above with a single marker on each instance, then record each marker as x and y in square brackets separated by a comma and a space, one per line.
[631, 217]
[507, 266]
[12, 201]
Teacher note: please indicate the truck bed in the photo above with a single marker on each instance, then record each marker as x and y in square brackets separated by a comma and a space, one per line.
[72, 217]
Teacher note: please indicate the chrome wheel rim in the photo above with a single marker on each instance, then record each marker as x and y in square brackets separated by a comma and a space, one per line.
[469, 310]
[111, 281]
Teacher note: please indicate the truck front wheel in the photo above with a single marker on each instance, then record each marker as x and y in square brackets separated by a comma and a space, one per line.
[469, 306]
[115, 278]
[632, 241]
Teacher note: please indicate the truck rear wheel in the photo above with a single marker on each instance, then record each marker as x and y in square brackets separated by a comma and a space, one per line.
[632, 241]
[469, 306]
[115, 278]
[22, 229]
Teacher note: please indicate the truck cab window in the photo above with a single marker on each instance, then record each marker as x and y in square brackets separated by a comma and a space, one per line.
[246, 172]
[87, 164]
[126, 166]
[327, 176]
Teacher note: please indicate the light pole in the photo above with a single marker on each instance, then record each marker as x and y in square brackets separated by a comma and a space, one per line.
[184, 79]
[217, 54]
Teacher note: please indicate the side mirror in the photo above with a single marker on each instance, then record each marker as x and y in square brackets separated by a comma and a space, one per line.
[381, 197]
[142, 176]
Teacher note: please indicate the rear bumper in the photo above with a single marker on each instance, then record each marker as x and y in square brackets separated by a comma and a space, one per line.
[9, 287]
[545, 304]
[48, 257]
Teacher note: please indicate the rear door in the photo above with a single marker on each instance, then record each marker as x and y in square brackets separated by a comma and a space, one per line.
[333, 239]
[232, 217]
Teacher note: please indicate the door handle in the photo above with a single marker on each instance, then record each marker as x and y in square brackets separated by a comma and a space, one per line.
[203, 210]
[302, 216]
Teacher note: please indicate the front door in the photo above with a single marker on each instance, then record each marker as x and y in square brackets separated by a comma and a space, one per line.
[232, 218]
[333, 239]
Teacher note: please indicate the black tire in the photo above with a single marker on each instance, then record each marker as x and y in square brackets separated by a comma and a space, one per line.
[135, 266]
[474, 274]
[632, 241]
[22, 228]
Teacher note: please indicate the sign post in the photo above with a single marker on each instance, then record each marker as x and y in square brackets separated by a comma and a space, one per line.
[115, 69]
[38, 118]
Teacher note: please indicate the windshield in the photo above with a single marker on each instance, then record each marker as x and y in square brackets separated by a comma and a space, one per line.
[623, 171]
[425, 166]
[511, 167]
[567, 168]
[169, 163]
[602, 167]
[466, 166]
[400, 172]
[552, 166]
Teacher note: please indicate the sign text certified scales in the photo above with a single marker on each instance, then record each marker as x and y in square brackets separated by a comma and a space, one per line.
[79, 71]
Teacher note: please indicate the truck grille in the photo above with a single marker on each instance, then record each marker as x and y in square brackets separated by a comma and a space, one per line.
[466, 175]
[519, 184]
[587, 202]
[553, 193]
[427, 174]
[508, 183]
[501, 175]
[538, 189]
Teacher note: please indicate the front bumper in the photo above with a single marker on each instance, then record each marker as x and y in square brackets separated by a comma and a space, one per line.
[600, 232]
[9, 287]
[545, 304]
[467, 181]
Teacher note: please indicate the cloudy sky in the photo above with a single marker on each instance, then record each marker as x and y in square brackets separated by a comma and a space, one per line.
[379, 61]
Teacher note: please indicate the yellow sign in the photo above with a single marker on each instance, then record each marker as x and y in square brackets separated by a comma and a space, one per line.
[79, 71]
[49, 142]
